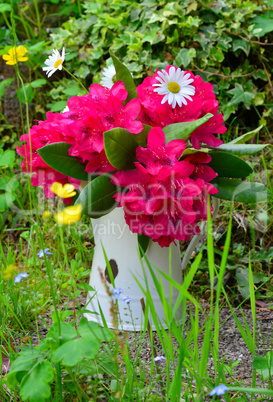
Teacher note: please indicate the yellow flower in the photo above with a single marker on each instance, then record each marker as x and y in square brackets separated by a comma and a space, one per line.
[46, 215]
[63, 191]
[69, 215]
[9, 272]
[15, 54]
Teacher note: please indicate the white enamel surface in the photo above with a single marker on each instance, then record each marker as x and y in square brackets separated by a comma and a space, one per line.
[120, 245]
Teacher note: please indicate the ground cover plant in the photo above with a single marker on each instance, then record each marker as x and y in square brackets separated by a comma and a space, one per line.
[49, 350]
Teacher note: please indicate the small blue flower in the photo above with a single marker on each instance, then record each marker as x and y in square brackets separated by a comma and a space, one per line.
[19, 277]
[127, 299]
[159, 358]
[43, 252]
[117, 292]
[219, 390]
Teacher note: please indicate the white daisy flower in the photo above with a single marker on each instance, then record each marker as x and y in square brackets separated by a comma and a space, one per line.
[54, 62]
[108, 75]
[175, 85]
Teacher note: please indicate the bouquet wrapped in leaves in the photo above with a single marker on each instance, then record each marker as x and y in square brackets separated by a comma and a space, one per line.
[150, 150]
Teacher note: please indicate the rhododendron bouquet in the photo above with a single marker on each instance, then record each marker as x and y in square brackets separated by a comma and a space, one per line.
[151, 150]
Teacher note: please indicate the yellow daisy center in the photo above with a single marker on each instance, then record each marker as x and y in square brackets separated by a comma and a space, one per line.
[173, 87]
[57, 63]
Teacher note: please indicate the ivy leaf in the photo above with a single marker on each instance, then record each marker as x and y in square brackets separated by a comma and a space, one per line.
[35, 385]
[240, 95]
[184, 57]
[241, 44]
[217, 54]
[264, 22]
[74, 351]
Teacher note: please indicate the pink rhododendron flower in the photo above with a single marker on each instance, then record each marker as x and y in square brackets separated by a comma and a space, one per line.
[82, 126]
[201, 169]
[156, 114]
[94, 114]
[46, 132]
[166, 197]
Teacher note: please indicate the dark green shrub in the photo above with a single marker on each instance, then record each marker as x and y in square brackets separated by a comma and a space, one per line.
[218, 40]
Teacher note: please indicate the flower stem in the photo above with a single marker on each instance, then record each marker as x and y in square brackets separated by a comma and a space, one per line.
[76, 79]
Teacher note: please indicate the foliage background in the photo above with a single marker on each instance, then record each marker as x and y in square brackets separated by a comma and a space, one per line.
[226, 42]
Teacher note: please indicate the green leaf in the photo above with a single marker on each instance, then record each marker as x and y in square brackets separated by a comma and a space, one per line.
[85, 286]
[7, 157]
[242, 149]
[242, 277]
[38, 83]
[141, 137]
[240, 95]
[35, 385]
[93, 331]
[68, 332]
[216, 54]
[73, 352]
[97, 197]
[37, 47]
[6, 201]
[241, 44]
[25, 361]
[120, 148]
[260, 363]
[5, 8]
[124, 75]
[143, 242]
[184, 57]
[264, 365]
[183, 130]
[227, 165]
[58, 106]
[4, 84]
[25, 94]
[240, 191]
[245, 137]
[56, 156]
[264, 22]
